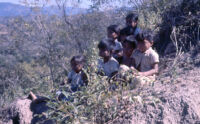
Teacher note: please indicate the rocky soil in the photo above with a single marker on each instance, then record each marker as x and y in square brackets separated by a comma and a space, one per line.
[173, 103]
[18, 112]
[173, 99]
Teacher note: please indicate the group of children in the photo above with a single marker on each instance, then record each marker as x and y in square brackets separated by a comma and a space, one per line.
[123, 49]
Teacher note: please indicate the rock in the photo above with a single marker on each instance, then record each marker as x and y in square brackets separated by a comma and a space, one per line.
[18, 112]
[22, 111]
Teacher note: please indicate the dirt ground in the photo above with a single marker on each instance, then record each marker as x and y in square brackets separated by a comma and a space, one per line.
[174, 103]
[172, 99]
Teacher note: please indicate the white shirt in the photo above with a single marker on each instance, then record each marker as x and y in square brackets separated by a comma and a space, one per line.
[145, 61]
[109, 67]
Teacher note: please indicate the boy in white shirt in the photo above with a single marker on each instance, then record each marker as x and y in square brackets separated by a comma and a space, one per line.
[145, 58]
[109, 65]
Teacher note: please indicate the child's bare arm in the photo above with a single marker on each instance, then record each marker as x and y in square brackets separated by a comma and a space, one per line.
[133, 69]
[32, 96]
[150, 72]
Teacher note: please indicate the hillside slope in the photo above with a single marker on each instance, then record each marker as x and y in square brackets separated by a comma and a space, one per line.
[179, 103]
[171, 100]
[168, 102]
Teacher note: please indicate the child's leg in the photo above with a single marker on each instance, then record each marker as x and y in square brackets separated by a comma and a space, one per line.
[33, 97]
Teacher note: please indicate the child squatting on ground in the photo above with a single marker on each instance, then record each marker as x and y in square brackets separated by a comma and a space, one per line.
[129, 46]
[109, 65]
[145, 59]
[76, 78]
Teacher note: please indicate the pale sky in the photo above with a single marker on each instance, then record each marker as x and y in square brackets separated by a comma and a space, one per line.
[71, 3]
[11, 1]
[83, 4]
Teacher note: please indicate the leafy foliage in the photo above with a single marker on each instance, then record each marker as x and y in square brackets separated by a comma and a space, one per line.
[96, 103]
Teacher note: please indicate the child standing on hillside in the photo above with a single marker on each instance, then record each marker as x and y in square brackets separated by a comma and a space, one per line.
[113, 32]
[109, 65]
[145, 58]
[132, 22]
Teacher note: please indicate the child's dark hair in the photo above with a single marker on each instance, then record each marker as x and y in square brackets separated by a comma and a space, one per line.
[126, 31]
[78, 59]
[103, 44]
[145, 35]
[114, 28]
[131, 41]
[133, 17]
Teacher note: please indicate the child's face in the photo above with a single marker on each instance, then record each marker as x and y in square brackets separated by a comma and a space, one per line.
[112, 34]
[145, 45]
[77, 67]
[131, 23]
[134, 24]
[104, 53]
[127, 50]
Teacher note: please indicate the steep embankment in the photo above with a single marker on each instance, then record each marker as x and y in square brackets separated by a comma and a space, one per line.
[178, 103]
[167, 101]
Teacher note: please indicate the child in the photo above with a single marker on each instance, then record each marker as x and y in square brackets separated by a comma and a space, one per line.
[131, 22]
[145, 58]
[77, 78]
[113, 32]
[129, 46]
[109, 65]
[123, 34]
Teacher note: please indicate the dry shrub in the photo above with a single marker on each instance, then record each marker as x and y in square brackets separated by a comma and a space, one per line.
[172, 21]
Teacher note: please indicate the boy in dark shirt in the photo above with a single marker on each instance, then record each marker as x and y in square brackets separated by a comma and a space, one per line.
[132, 23]
[129, 46]
[77, 78]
